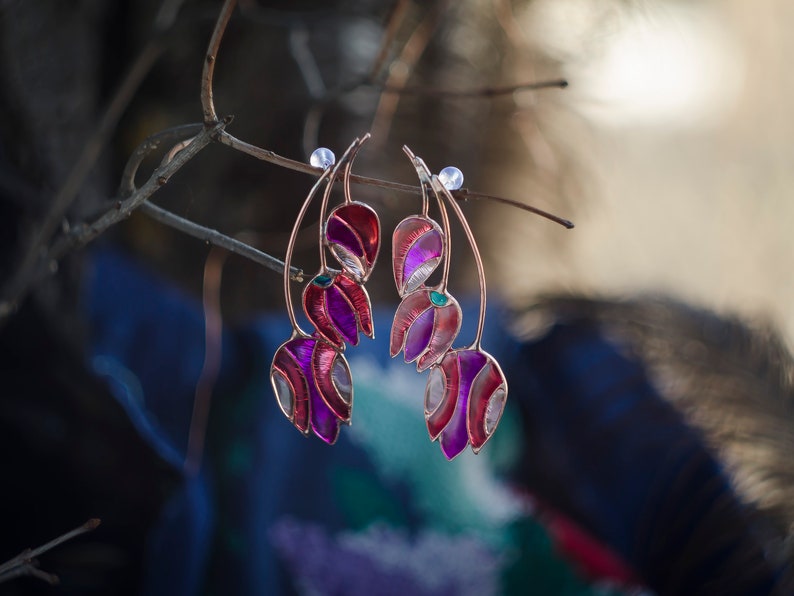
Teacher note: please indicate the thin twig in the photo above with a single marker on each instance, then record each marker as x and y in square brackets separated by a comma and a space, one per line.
[298, 166]
[215, 238]
[170, 136]
[157, 180]
[25, 559]
[207, 102]
[464, 194]
[483, 92]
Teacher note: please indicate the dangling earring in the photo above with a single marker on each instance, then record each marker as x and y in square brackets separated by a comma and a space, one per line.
[310, 375]
[428, 319]
[466, 389]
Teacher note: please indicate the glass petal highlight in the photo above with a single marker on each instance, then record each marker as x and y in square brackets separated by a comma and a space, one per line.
[441, 396]
[417, 249]
[352, 233]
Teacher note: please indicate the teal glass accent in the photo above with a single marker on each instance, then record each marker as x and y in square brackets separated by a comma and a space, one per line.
[322, 281]
[438, 298]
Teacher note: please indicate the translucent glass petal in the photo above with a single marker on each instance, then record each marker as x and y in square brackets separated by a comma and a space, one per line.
[326, 364]
[486, 400]
[341, 378]
[440, 417]
[408, 311]
[359, 299]
[419, 334]
[352, 232]
[316, 309]
[284, 392]
[445, 329]
[417, 247]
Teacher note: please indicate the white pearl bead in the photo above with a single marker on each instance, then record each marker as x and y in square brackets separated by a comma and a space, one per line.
[322, 158]
[451, 177]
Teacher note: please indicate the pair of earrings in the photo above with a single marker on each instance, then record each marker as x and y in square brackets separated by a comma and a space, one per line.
[466, 389]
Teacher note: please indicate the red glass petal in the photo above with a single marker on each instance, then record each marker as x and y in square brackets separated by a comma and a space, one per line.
[359, 299]
[486, 403]
[288, 362]
[314, 305]
[352, 232]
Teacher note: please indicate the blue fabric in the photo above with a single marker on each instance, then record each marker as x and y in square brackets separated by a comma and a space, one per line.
[273, 511]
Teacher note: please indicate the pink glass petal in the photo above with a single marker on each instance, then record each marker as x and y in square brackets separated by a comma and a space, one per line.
[314, 305]
[353, 235]
[408, 311]
[333, 384]
[486, 403]
[359, 299]
[445, 330]
[417, 246]
[447, 376]
[419, 334]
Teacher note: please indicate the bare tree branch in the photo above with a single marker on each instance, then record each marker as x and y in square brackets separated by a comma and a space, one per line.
[215, 238]
[25, 564]
[207, 102]
[481, 93]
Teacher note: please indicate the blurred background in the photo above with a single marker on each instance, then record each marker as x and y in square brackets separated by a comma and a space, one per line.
[670, 149]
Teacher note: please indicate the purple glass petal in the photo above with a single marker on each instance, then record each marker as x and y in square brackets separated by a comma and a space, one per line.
[341, 314]
[455, 437]
[419, 334]
[359, 299]
[422, 259]
[325, 424]
[338, 232]
[471, 363]
[445, 330]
